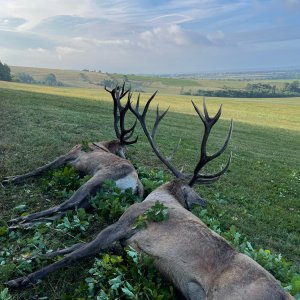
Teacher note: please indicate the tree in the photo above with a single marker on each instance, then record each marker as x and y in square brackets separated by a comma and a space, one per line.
[23, 77]
[51, 80]
[294, 86]
[5, 72]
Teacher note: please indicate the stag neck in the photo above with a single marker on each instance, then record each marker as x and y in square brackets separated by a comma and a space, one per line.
[169, 193]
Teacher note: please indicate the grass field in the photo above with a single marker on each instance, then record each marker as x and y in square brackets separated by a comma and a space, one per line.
[284, 112]
[259, 195]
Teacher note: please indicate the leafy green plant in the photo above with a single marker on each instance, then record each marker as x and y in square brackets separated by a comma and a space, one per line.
[151, 179]
[156, 213]
[110, 202]
[63, 182]
[85, 146]
[4, 295]
[295, 286]
[3, 230]
[75, 223]
[131, 276]
[21, 208]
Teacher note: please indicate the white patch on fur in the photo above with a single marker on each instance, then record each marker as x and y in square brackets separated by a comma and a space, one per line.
[127, 182]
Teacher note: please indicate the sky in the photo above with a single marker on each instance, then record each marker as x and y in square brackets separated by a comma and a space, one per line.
[151, 36]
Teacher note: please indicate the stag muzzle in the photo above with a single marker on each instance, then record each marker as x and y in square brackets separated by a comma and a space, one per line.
[191, 197]
[121, 153]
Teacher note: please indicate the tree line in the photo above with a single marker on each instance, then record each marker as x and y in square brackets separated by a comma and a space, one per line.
[5, 72]
[252, 90]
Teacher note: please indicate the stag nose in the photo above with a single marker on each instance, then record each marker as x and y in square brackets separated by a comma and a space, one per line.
[201, 202]
[121, 153]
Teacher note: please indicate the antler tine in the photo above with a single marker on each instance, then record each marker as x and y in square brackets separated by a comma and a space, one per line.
[148, 104]
[204, 158]
[158, 119]
[218, 153]
[128, 133]
[170, 157]
[211, 178]
[150, 136]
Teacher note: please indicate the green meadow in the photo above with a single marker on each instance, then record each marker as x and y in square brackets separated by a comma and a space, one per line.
[259, 194]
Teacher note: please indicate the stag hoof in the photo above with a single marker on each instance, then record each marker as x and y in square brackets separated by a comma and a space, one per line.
[16, 220]
[9, 179]
[18, 283]
[5, 181]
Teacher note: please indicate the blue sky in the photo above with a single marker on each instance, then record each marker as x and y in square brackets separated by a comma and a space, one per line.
[158, 36]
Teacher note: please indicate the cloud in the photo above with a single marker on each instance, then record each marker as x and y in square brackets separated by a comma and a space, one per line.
[20, 40]
[35, 11]
[170, 19]
[216, 36]
[147, 35]
[62, 51]
[163, 36]
[67, 24]
[11, 22]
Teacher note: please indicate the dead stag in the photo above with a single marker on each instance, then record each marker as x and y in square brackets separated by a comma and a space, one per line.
[103, 160]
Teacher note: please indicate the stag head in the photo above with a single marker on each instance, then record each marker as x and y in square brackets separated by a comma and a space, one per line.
[184, 182]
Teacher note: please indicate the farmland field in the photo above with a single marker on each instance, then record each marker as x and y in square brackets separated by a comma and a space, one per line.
[259, 195]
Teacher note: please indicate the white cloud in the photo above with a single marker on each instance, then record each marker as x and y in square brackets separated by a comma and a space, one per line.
[216, 36]
[170, 19]
[62, 51]
[37, 10]
[97, 42]
[163, 36]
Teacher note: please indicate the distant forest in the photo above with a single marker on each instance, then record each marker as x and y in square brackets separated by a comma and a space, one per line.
[252, 90]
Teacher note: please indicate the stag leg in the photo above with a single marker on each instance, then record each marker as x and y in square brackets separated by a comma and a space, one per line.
[115, 232]
[60, 251]
[60, 161]
[78, 200]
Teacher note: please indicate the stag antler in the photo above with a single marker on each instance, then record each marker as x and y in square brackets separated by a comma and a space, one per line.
[119, 115]
[151, 136]
[204, 158]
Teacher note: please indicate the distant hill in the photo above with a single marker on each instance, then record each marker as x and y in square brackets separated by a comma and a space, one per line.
[93, 79]
[67, 77]
[172, 84]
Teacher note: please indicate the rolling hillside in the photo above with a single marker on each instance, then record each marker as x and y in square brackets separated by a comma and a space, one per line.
[169, 85]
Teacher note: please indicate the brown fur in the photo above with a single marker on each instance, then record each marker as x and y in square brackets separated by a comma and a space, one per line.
[101, 162]
[199, 262]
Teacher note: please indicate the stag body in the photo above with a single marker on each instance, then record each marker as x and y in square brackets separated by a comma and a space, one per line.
[199, 262]
[102, 160]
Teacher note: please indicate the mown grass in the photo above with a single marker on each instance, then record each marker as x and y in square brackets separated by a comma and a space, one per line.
[266, 112]
[259, 195]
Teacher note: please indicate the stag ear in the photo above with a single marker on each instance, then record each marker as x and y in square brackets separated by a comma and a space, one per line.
[191, 197]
